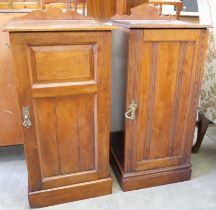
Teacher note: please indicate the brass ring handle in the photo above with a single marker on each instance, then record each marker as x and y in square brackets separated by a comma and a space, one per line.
[131, 113]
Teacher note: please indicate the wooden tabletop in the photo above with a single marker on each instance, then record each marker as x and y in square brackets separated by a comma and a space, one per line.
[58, 25]
[162, 24]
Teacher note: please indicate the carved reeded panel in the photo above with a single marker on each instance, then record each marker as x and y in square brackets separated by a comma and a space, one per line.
[164, 79]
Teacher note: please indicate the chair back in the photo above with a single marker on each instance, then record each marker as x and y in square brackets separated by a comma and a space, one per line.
[159, 4]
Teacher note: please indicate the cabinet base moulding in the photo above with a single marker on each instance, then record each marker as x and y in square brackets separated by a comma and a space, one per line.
[139, 180]
[70, 193]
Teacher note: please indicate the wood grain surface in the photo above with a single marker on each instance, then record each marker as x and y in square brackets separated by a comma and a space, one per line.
[10, 117]
[164, 74]
[67, 146]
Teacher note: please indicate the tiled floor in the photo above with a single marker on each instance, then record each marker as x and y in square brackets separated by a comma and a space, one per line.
[197, 194]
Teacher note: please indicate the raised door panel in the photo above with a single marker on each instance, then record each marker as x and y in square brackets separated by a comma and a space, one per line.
[55, 63]
[67, 91]
[162, 86]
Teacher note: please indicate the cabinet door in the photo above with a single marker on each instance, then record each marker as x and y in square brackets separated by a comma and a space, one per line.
[164, 79]
[63, 80]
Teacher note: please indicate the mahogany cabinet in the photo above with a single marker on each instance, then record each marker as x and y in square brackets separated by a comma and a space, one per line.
[162, 62]
[10, 123]
[62, 70]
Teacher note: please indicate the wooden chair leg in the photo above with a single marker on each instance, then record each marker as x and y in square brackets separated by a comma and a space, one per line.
[202, 128]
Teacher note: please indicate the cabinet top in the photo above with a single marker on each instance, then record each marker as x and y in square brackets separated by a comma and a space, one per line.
[146, 16]
[54, 19]
[184, 23]
[58, 25]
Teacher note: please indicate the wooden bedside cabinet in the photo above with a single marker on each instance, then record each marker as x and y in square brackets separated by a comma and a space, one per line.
[162, 62]
[62, 70]
[11, 132]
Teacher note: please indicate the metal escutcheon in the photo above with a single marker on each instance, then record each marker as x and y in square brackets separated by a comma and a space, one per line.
[131, 113]
[26, 117]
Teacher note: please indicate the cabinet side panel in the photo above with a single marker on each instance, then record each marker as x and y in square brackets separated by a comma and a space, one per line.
[102, 106]
[11, 131]
[120, 42]
[118, 78]
[195, 89]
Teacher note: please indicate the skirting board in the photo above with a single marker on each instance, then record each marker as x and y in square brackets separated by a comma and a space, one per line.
[139, 180]
[70, 193]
